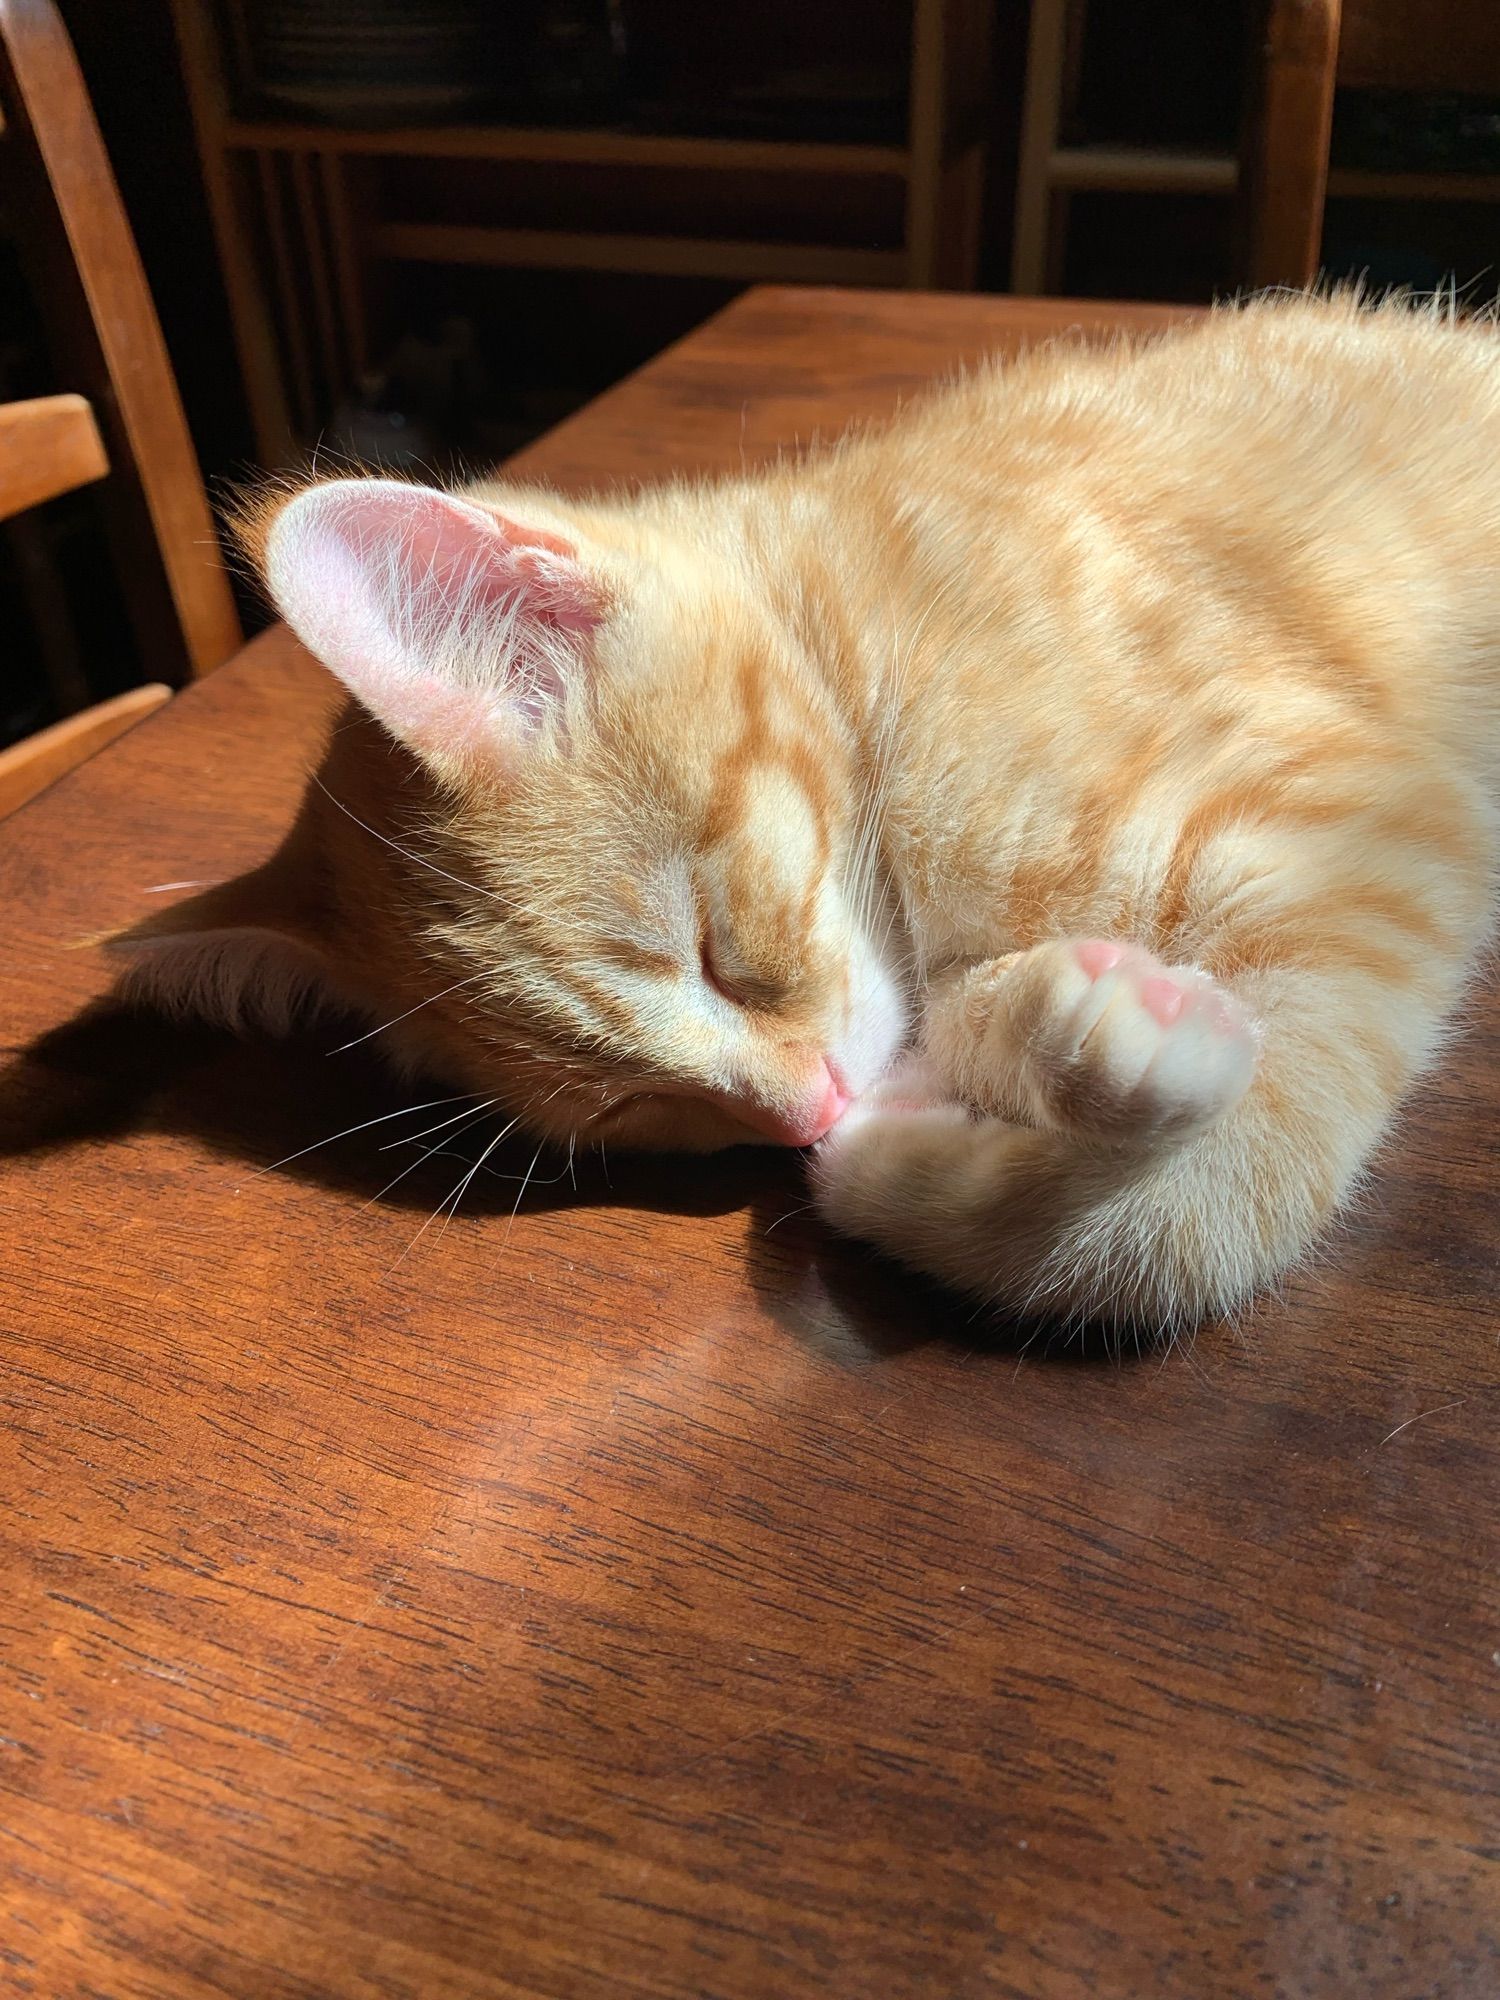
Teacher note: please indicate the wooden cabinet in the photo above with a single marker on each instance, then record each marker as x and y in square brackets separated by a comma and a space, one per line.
[305, 214]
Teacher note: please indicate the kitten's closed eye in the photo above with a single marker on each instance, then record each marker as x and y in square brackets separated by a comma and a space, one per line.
[733, 980]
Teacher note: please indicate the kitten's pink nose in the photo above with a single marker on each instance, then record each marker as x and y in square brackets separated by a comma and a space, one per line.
[830, 1111]
[824, 1107]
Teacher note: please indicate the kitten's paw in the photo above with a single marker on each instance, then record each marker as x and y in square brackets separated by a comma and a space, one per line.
[1094, 1038]
[912, 1083]
[896, 1134]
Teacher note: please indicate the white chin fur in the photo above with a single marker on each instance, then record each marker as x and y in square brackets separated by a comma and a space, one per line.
[877, 1024]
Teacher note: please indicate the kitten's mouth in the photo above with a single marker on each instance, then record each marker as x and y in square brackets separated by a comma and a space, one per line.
[743, 1121]
[803, 1127]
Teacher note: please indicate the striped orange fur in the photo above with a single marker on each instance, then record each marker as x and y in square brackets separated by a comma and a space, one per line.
[1072, 806]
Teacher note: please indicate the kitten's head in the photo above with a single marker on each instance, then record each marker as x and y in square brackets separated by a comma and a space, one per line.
[594, 827]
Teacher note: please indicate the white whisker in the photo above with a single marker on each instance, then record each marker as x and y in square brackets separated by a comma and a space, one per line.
[419, 860]
[455, 1196]
[483, 973]
[464, 1184]
[407, 1111]
[429, 1152]
[411, 1138]
[521, 1196]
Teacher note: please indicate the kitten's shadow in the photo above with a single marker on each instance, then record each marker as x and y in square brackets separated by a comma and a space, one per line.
[340, 1121]
[852, 1305]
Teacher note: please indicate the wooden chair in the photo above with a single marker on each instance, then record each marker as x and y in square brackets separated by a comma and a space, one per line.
[1447, 47]
[1303, 48]
[1284, 161]
[127, 429]
[1050, 172]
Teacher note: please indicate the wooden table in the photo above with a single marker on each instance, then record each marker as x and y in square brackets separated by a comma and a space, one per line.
[650, 1596]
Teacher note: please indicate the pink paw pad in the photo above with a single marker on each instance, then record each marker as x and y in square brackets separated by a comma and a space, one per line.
[1096, 956]
[1162, 1000]
[1106, 1040]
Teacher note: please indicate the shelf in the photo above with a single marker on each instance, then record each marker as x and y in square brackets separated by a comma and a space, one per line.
[1141, 170]
[303, 215]
[1371, 184]
[585, 148]
[663, 256]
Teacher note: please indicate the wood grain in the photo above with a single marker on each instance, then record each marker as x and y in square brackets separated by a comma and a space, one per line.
[649, 1596]
[563, 146]
[48, 446]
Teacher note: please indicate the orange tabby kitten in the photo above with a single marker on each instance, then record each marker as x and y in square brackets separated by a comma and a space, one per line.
[1071, 808]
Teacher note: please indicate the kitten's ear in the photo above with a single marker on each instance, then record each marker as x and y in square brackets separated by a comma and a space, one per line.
[244, 953]
[457, 627]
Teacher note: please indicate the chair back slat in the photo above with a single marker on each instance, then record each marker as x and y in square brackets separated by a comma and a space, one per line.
[108, 344]
[48, 446]
[1284, 159]
[28, 768]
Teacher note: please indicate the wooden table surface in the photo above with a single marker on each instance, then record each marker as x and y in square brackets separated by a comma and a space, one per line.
[648, 1595]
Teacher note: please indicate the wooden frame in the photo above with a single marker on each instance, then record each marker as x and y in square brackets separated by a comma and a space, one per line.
[1285, 160]
[1034, 235]
[300, 236]
[1282, 175]
[48, 446]
[105, 332]
[29, 767]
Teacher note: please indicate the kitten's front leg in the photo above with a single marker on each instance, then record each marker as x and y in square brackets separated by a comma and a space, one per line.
[1148, 1156]
[1092, 1038]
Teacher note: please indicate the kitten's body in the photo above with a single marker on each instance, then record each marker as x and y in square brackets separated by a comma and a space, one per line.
[1194, 648]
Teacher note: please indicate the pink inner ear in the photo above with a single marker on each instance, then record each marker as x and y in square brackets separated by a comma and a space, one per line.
[436, 612]
[548, 570]
[449, 550]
